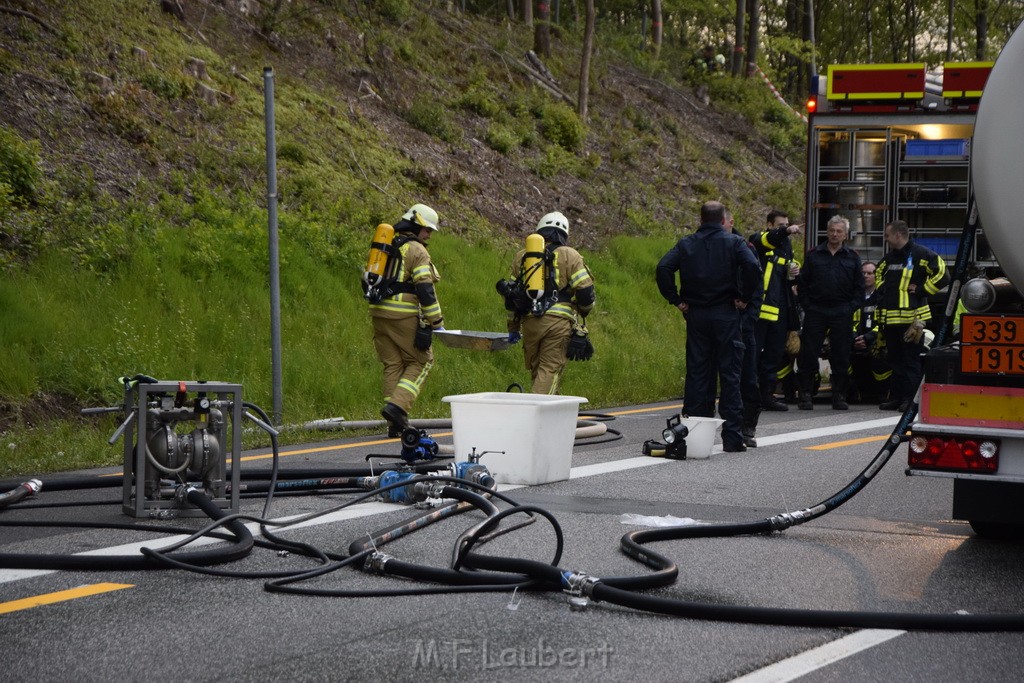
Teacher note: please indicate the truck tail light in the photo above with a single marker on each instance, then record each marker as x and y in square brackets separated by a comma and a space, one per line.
[960, 454]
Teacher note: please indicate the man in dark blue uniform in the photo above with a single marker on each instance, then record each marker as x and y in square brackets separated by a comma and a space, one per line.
[717, 277]
[831, 288]
[778, 310]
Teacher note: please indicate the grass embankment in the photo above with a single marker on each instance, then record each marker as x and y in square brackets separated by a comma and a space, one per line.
[133, 223]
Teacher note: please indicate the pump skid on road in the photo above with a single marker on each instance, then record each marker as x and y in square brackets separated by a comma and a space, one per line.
[892, 141]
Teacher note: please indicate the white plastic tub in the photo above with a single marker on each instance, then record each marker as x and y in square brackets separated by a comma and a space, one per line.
[701, 438]
[535, 431]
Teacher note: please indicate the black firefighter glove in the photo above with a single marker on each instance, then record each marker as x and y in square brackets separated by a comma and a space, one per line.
[423, 337]
[580, 347]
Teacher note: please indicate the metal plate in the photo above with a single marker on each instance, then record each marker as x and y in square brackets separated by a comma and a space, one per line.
[474, 341]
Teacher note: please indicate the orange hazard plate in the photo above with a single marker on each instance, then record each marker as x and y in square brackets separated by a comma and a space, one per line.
[992, 344]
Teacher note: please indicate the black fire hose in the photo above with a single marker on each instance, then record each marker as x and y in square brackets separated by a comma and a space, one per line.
[20, 492]
[242, 545]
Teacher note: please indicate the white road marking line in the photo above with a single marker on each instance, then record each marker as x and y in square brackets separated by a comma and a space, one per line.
[374, 508]
[818, 658]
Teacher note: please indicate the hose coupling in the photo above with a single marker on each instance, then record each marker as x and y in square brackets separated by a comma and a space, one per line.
[33, 486]
[375, 562]
[181, 493]
[787, 519]
[429, 489]
[368, 483]
[577, 585]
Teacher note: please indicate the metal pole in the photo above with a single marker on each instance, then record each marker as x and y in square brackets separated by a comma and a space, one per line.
[275, 282]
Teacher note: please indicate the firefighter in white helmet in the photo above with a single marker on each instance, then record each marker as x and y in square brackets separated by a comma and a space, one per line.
[404, 319]
[568, 291]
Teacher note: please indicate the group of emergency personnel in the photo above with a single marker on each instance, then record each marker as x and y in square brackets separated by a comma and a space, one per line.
[869, 321]
[549, 320]
[750, 308]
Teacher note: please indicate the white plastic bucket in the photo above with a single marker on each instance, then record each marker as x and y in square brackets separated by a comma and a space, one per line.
[536, 431]
[701, 437]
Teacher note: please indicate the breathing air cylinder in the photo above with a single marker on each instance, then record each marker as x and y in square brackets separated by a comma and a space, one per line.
[377, 261]
[533, 266]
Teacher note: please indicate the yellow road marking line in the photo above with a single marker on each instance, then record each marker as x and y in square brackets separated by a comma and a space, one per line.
[61, 596]
[840, 444]
[645, 410]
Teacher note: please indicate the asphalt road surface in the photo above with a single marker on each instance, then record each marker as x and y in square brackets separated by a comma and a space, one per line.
[891, 548]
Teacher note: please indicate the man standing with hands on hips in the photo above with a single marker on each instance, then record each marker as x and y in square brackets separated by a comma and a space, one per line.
[717, 277]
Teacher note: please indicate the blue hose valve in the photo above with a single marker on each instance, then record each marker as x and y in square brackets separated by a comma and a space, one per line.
[400, 494]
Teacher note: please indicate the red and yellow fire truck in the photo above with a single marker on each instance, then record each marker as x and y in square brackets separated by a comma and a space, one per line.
[891, 141]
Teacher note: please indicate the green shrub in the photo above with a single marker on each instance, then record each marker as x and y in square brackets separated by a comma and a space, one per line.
[19, 165]
[161, 85]
[292, 151]
[395, 10]
[480, 102]
[432, 119]
[501, 138]
[560, 124]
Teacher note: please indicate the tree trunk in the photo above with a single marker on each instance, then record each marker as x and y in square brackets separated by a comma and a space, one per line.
[810, 38]
[949, 31]
[510, 7]
[527, 12]
[754, 7]
[981, 28]
[588, 47]
[871, 34]
[737, 50]
[542, 30]
[656, 27]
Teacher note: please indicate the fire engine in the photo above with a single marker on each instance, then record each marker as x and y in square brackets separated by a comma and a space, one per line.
[893, 141]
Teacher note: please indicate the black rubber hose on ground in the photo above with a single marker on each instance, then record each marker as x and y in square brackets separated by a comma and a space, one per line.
[242, 545]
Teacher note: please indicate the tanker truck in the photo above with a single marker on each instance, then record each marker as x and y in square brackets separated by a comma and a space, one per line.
[970, 424]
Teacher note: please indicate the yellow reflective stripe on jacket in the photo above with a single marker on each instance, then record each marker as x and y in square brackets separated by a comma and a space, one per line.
[422, 273]
[769, 313]
[397, 305]
[432, 311]
[578, 277]
[904, 299]
[930, 284]
[562, 309]
[905, 316]
[769, 267]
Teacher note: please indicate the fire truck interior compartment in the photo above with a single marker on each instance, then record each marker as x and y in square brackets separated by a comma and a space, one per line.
[879, 151]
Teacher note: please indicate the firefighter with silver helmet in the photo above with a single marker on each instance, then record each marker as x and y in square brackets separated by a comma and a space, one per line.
[548, 299]
[405, 311]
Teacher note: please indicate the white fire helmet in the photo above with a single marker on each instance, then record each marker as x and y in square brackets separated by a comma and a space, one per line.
[421, 214]
[554, 220]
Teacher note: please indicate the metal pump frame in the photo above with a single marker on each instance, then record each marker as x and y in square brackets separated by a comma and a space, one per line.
[228, 398]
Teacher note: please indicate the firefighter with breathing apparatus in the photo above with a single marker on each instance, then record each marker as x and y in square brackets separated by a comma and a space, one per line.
[399, 284]
[548, 298]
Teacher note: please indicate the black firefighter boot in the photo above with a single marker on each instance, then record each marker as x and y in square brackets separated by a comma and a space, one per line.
[839, 387]
[804, 381]
[751, 412]
[769, 402]
[397, 419]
